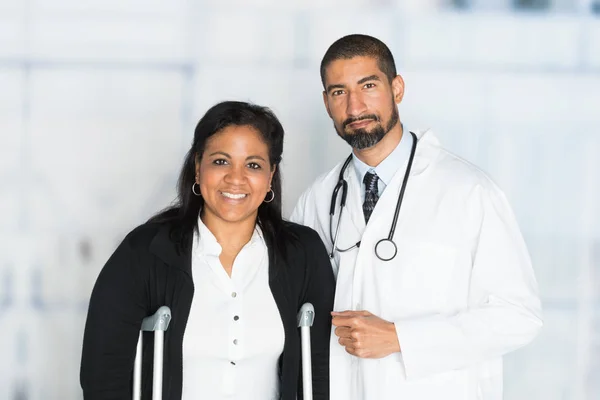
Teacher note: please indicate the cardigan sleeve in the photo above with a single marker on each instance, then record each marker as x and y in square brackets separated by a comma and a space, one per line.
[320, 291]
[114, 317]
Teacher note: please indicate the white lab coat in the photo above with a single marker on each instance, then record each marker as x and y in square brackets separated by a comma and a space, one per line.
[461, 290]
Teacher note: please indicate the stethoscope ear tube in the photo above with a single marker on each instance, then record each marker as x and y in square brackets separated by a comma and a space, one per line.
[334, 197]
[403, 189]
[342, 184]
[344, 194]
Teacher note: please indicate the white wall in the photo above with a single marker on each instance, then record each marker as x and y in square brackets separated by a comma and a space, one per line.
[98, 101]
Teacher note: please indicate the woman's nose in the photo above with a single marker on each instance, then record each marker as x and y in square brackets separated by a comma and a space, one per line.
[235, 175]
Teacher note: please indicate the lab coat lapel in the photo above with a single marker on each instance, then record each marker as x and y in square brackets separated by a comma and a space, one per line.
[427, 150]
[354, 204]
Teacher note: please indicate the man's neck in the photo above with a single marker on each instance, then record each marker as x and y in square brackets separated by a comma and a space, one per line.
[374, 155]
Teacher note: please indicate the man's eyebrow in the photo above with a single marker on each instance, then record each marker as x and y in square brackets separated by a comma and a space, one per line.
[369, 78]
[361, 81]
[335, 86]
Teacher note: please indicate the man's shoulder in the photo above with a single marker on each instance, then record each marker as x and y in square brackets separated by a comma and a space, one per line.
[455, 169]
[325, 181]
[461, 167]
[312, 197]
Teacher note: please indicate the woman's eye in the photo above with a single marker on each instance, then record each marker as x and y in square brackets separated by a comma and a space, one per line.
[254, 165]
[219, 161]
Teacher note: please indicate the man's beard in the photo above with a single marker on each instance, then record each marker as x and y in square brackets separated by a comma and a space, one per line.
[361, 138]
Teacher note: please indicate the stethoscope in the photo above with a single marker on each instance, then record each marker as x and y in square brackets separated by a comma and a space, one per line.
[385, 249]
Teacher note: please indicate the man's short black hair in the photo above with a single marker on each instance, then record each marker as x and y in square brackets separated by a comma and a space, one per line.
[358, 45]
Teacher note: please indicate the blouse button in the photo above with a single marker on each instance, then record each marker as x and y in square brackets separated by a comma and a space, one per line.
[234, 341]
[233, 294]
[235, 318]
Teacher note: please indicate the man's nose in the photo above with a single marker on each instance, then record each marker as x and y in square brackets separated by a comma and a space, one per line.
[355, 106]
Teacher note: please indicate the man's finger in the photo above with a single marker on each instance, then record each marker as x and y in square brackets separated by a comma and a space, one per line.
[347, 313]
[347, 320]
[343, 331]
[351, 351]
[340, 321]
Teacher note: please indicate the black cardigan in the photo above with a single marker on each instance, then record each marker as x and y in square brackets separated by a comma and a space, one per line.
[147, 271]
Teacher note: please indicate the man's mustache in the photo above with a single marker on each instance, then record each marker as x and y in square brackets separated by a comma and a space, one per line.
[363, 117]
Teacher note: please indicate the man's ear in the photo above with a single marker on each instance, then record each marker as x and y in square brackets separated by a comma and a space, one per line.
[326, 103]
[398, 88]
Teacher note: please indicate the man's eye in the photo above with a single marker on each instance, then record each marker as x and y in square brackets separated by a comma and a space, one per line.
[337, 92]
[370, 85]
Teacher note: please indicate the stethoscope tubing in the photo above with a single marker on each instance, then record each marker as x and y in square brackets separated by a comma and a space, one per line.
[343, 186]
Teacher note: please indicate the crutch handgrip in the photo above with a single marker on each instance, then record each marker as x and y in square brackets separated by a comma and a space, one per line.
[306, 316]
[159, 321]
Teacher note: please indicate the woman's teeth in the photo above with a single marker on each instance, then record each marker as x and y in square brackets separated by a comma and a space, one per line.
[234, 196]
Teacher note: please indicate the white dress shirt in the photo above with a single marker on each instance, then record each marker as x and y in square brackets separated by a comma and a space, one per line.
[234, 335]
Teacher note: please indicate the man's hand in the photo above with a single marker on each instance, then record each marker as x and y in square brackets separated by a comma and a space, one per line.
[365, 335]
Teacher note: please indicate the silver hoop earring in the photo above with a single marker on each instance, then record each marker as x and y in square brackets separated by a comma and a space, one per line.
[194, 189]
[272, 196]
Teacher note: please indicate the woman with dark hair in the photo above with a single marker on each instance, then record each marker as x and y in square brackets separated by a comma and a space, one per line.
[233, 272]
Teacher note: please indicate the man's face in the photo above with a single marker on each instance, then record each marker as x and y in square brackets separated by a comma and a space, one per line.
[361, 101]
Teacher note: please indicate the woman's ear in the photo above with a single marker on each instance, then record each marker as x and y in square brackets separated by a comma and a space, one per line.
[197, 167]
[273, 169]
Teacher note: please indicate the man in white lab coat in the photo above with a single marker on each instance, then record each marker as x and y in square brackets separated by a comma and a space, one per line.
[434, 321]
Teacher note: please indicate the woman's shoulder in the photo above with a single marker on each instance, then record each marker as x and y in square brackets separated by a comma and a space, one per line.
[302, 234]
[143, 235]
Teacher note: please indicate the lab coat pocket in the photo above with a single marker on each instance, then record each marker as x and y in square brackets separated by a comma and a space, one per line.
[424, 275]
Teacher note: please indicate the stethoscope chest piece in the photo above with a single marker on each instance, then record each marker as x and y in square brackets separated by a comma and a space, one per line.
[386, 249]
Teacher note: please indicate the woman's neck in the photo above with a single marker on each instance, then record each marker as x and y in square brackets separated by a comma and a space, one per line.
[232, 236]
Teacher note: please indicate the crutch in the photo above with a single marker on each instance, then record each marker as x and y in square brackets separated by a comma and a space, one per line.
[306, 317]
[158, 323]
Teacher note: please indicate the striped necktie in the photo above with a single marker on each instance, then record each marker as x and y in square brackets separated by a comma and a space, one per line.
[371, 194]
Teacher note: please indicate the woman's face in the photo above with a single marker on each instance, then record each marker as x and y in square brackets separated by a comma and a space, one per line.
[234, 174]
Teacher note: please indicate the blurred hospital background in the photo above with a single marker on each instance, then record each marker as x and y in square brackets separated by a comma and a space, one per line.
[99, 98]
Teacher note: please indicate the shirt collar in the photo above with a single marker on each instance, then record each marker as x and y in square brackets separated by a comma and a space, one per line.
[390, 165]
[207, 242]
